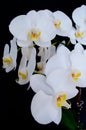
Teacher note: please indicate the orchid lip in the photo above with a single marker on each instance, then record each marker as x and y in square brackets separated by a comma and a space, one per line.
[7, 61]
[34, 35]
[76, 75]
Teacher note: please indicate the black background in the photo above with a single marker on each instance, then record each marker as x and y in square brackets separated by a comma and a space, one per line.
[15, 99]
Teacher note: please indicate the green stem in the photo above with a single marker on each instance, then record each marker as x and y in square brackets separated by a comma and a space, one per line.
[68, 43]
[19, 49]
[37, 72]
[55, 43]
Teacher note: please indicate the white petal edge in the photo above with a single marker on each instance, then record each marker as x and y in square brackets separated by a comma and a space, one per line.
[38, 82]
[43, 109]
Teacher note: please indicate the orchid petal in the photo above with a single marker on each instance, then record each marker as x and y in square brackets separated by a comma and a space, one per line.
[43, 44]
[61, 60]
[13, 51]
[38, 82]
[32, 62]
[60, 79]
[43, 109]
[24, 43]
[18, 27]
[6, 50]
[79, 15]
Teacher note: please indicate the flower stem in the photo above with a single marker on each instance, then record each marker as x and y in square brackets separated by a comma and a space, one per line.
[19, 48]
[79, 107]
[68, 43]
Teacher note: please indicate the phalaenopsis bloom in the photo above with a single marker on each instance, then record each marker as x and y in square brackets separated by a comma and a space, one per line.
[54, 71]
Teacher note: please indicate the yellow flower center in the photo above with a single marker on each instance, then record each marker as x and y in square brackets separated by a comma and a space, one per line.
[58, 24]
[34, 35]
[76, 76]
[79, 34]
[7, 61]
[61, 100]
[23, 75]
[40, 67]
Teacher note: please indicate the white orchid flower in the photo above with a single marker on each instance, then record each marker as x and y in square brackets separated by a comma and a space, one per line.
[27, 65]
[45, 54]
[79, 33]
[35, 26]
[78, 68]
[10, 56]
[62, 23]
[80, 36]
[68, 67]
[79, 16]
[46, 105]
